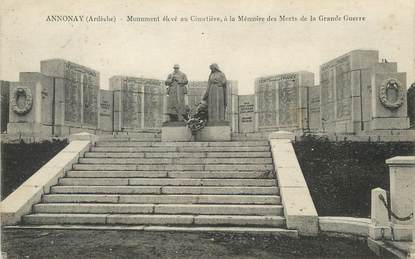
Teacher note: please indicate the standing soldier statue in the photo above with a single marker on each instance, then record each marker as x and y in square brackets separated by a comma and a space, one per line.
[176, 90]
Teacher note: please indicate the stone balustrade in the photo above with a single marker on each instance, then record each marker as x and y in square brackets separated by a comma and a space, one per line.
[299, 209]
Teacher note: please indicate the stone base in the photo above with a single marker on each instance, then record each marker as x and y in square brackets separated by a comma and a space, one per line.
[33, 129]
[176, 133]
[402, 232]
[391, 249]
[214, 133]
[380, 232]
[29, 129]
[389, 123]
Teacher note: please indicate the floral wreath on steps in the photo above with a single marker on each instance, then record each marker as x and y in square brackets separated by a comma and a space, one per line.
[196, 124]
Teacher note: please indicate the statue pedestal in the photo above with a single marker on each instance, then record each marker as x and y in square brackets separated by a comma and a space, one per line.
[215, 131]
[175, 131]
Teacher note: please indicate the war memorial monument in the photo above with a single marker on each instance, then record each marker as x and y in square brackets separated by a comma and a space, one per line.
[155, 154]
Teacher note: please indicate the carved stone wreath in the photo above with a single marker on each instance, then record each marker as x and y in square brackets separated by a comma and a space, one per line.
[22, 91]
[391, 83]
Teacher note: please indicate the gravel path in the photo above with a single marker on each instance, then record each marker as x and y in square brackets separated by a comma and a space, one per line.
[25, 243]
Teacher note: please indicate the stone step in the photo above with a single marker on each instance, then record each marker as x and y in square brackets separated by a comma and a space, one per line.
[132, 140]
[166, 182]
[179, 161]
[181, 144]
[249, 190]
[145, 219]
[162, 199]
[127, 131]
[260, 231]
[177, 154]
[148, 149]
[174, 174]
[144, 137]
[99, 174]
[194, 209]
[163, 167]
[126, 137]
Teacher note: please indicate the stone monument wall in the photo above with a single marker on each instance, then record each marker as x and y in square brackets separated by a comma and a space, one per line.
[356, 95]
[154, 92]
[361, 95]
[282, 101]
[342, 82]
[266, 103]
[138, 103]
[5, 95]
[76, 96]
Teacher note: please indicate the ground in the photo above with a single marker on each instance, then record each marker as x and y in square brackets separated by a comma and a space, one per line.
[138, 244]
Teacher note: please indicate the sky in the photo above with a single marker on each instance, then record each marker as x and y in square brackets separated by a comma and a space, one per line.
[243, 50]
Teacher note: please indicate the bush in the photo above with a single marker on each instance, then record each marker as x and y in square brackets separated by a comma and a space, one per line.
[20, 161]
[341, 175]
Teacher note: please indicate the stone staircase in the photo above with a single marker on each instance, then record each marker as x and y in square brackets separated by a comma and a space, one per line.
[214, 186]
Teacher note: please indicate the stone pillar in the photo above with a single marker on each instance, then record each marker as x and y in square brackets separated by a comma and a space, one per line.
[246, 113]
[5, 96]
[115, 84]
[411, 105]
[380, 226]
[413, 227]
[143, 102]
[305, 82]
[233, 106]
[165, 116]
[402, 193]
[106, 111]
[256, 127]
[314, 114]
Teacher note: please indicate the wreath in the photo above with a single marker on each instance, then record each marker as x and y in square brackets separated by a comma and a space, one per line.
[391, 83]
[196, 124]
[22, 91]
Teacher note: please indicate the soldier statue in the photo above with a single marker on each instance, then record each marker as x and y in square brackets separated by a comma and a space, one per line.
[176, 90]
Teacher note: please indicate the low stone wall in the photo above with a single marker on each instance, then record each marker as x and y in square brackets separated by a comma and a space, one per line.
[20, 202]
[344, 225]
[5, 138]
[375, 136]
